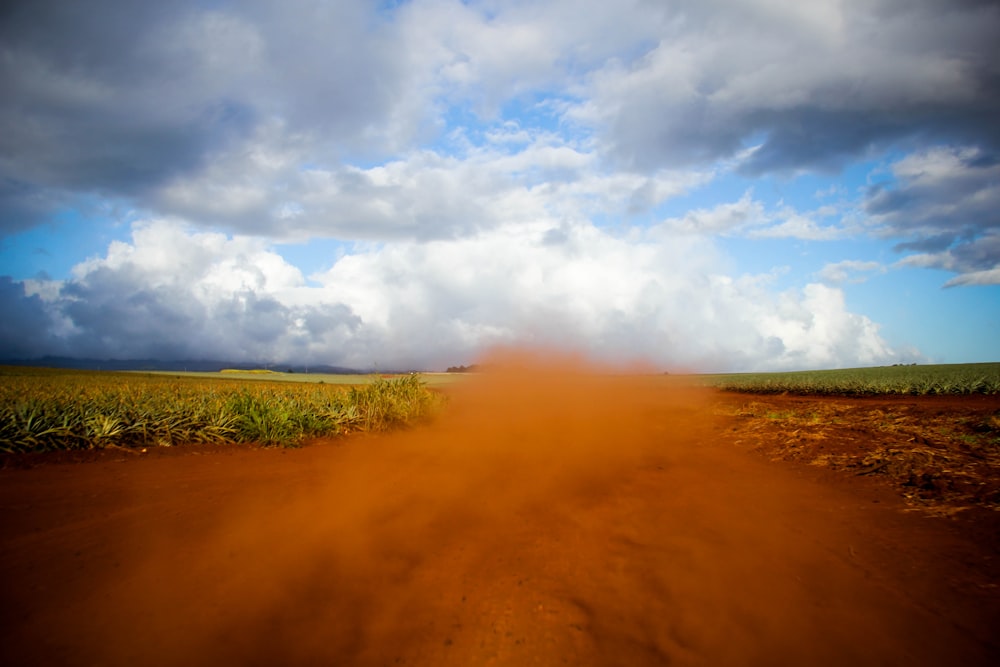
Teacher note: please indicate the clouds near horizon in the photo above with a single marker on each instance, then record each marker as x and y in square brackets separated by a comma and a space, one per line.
[495, 172]
[175, 293]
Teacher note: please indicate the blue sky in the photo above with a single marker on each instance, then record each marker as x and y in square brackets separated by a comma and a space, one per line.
[726, 185]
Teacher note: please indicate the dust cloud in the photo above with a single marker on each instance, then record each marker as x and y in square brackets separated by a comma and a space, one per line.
[556, 514]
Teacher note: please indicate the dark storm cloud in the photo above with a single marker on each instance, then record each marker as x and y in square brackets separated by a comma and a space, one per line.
[945, 203]
[85, 105]
[930, 244]
[117, 98]
[944, 189]
[827, 139]
[24, 205]
[820, 139]
[118, 313]
[811, 86]
[25, 325]
[84, 36]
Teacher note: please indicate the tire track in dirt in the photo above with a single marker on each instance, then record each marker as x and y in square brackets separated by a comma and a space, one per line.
[553, 516]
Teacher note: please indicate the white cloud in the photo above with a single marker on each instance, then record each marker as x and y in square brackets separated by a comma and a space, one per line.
[849, 270]
[482, 54]
[797, 226]
[262, 187]
[502, 159]
[749, 217]
[168, 255]
[646, 295]
[721, 219]
[818, 331]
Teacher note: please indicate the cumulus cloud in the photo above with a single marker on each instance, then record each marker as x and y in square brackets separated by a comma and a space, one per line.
[421, 195]
[502, 167]
[176, 293]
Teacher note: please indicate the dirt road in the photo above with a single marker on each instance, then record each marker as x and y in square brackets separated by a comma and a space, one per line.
[553, 519]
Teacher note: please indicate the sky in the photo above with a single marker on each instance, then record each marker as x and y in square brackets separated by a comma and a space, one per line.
[713, 185]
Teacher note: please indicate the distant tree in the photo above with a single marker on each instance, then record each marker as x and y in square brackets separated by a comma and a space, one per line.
[463, 369]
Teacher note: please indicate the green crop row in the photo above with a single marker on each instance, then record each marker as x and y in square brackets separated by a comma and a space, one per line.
[944, 379]
[78, 410]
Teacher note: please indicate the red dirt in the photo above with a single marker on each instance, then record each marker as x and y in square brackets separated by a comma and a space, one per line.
[549, 518]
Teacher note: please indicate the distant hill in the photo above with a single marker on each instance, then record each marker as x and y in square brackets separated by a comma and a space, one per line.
[200, 365]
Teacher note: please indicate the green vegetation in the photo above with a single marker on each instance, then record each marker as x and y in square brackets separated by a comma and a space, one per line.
[49, 409]
[253, 371]
[899, 380]
[257, 375]
[473, 368]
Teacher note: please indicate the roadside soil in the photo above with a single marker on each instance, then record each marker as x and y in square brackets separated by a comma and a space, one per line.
[549, 518]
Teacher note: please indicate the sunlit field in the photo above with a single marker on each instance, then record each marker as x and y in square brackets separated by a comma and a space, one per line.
[49, 409]
[53, 409]
[551, 514]
[257, 375]
[941, 379]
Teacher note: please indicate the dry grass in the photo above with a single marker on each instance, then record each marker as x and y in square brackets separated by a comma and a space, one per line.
[943, 461]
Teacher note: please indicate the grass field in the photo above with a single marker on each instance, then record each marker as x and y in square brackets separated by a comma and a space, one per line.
[429, 379]
[52, 409]
[942, 379]
[939, 379]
